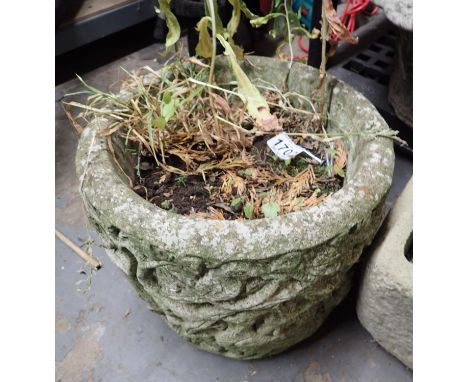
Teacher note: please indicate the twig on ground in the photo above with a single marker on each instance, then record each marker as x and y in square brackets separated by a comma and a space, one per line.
[92, 261]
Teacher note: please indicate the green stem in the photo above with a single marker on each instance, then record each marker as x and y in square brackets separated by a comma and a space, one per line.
[289, 34]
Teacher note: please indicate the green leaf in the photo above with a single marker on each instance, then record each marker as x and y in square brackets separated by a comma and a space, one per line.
[246, 11]
[246, 172]
[218, 22]
[168, 110]
[294, 19]
[182, 179]
[287, 162]
[166, 204]
[257, 106]
[204, 47]
[173, 26]
[160, 122]
[340, 172]
[93, 90]
[191, 96]
[167, 97]
[149, 126]
[262, 20]
[271, 210]
[236, 201]
[168, 106]
[255, 20]
[248, 210]
[239, 52]
[233, 23]
[300, 31]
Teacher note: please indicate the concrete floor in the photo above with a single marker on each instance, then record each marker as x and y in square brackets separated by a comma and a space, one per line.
[104, 332]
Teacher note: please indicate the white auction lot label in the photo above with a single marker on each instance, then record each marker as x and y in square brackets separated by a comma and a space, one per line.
[285, 148]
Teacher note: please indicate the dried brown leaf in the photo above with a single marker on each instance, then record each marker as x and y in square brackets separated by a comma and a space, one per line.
[299, 184]
[341, 157]
[111, 131]
[196, 61]
[267, 122]
[313, 200]
[231, 181]
[180, 92]
[212, 213]
[221, 103]
[336, 26]
[67, 110]
[225, 207]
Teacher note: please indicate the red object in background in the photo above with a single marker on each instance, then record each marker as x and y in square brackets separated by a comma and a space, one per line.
[301, 44]
[352, 9]
[265, 6]
[348, 18]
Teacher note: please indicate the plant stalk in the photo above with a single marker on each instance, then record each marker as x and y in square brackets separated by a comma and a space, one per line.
[323, 63]
[213, 39]
[211, 9]
[291, 54]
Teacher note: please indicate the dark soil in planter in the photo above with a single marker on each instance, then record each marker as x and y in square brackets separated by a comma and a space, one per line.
[211, 196]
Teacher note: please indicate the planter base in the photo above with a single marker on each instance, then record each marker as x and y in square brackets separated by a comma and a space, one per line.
[270, 306]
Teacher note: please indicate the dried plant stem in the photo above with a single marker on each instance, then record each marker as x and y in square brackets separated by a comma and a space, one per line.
[253, 131]
[211, 9]
[213, 39]
[92, 261]
[318, 137]
[323, 63]
[290, 108]
[214, 87]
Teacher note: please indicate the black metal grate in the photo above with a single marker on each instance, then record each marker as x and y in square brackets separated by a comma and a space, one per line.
[375, 62]
[369, 70]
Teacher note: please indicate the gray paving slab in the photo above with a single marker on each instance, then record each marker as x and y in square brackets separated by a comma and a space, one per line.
[104, 332]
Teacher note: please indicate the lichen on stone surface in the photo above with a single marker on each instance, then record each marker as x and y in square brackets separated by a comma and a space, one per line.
[246, 289]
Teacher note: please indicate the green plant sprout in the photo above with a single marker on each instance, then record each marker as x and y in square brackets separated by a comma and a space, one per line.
[182, 180]
[206, 47]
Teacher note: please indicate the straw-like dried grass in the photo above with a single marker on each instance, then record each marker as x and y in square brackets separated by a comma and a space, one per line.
[190, 128]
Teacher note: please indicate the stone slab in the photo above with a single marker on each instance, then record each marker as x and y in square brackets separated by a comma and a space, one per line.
[385, 303]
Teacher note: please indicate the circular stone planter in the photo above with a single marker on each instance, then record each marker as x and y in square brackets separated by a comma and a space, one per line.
[245, 289]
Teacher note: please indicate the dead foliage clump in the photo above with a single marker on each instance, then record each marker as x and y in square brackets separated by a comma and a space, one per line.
[200, 153]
